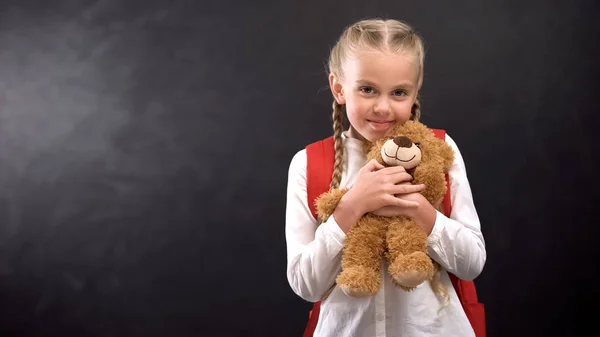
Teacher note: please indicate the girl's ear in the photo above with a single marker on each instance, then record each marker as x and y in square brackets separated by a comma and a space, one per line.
[336, 89]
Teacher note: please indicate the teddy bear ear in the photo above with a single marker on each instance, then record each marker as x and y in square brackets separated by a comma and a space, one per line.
[416, 131]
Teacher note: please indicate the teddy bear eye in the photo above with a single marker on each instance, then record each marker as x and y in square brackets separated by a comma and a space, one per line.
[418, 145]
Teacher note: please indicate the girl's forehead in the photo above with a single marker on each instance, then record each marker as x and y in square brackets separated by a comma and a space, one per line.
[384, 67]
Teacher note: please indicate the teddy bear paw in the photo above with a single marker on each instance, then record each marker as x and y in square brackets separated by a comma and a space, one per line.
[411, 270]
[359, 281]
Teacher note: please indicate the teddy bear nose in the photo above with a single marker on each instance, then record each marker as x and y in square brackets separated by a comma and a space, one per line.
[403, 141]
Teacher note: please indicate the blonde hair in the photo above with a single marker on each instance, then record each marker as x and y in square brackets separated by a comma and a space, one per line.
[381, 35]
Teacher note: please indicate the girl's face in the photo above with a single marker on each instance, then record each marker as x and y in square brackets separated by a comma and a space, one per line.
[379, 90]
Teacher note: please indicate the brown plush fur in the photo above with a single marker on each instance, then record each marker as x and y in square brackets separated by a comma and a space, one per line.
[397, 239]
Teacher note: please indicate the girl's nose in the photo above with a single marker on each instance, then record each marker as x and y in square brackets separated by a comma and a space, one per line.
[382, 106]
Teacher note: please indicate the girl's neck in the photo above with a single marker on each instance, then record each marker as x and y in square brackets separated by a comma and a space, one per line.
[357, 140]
[352, 133]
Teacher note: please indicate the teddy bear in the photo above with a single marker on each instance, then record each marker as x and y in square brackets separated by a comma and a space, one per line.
[397, 239]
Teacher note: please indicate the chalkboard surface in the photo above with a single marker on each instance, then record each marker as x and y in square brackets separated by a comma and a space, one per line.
[144, 148]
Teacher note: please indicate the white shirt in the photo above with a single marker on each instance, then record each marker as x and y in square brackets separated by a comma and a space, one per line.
[314, 261]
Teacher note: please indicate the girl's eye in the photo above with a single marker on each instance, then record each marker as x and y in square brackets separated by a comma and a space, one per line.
[399, 93]
[367, 90]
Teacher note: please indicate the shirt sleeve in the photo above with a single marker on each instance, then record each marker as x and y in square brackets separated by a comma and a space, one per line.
[313, 251]
[456, 242]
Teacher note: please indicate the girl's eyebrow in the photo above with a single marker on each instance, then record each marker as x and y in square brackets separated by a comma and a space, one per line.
[406, 84]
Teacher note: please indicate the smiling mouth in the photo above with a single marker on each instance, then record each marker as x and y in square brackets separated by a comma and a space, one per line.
[396, 157]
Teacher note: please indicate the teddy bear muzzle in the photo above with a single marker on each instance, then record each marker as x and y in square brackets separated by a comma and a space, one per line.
[401, 151]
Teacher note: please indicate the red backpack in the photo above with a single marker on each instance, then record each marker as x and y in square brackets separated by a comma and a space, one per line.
[320, 161]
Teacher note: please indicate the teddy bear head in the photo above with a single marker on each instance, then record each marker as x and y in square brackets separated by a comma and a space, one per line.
[423, 155]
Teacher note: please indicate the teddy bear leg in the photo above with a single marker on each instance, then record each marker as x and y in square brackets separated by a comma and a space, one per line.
[361, 258]
[407, 249]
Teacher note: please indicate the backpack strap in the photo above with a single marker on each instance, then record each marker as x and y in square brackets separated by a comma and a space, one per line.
[446, 202]
[320, 157]
[319, 167]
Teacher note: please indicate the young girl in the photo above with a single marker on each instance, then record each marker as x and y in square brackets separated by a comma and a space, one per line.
[376, 72]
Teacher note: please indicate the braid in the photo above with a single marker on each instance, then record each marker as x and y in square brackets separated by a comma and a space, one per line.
[415, 113]
[437, 286]
[338, 118]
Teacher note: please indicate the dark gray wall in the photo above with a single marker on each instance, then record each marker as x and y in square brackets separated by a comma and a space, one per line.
[144, 148]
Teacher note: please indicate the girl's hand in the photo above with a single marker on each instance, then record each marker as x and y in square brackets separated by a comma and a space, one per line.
[398, 210]
[424, 215]
[376, 186]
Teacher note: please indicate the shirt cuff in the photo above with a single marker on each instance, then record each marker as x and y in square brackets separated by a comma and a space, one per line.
[333, 230]
[435, 236]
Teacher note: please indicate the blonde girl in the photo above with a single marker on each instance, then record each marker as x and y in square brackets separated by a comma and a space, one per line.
[375, 74]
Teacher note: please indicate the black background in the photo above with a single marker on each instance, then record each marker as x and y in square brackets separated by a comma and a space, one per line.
[144, 149]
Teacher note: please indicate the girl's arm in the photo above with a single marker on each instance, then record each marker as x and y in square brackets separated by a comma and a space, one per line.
[457, 243]
[313, 252]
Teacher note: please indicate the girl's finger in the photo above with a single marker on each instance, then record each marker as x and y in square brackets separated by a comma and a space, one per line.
[406, 203]
[406, 189]
[393, 201]
[371, 166]
[394, 170]
[400, 177]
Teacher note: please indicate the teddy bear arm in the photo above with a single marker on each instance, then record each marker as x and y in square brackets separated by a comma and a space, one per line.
[447, 155]
[327, 202]
[432, 175]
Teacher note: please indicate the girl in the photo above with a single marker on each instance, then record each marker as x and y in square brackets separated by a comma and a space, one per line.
[376, 72]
